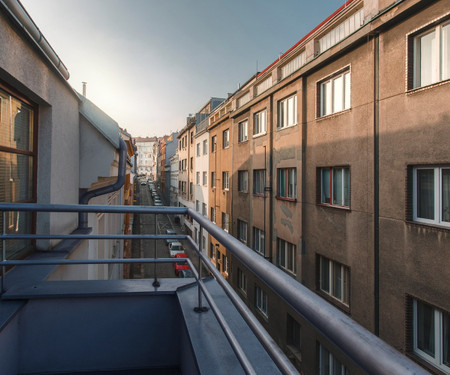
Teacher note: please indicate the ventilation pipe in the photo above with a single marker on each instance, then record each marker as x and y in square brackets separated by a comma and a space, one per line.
[88, 195]
[21, 15]
[84, 88]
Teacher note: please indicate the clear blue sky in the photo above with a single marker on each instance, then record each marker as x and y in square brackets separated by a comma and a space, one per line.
[149, 63]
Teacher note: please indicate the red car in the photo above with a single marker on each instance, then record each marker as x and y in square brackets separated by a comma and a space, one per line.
[180, 267]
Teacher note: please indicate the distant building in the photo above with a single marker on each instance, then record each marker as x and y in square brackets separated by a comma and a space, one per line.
[145, 156]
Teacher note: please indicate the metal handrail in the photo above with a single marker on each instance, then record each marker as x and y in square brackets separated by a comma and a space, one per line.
[369, 352]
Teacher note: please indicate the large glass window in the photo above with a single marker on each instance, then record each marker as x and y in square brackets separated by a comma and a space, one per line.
[431, 195]
[286, 255]
[258, 241]
[335, 186]
[334, 279]
[260, 123]
[243, 131]
[243, 181]
[431, 327]
[242, 231]
[328, 364]
[287, 112]
[226, 138]
[17, 167]
[431, 55]
[225, 180]
[259, 181]
[335, 94]
[287, 183]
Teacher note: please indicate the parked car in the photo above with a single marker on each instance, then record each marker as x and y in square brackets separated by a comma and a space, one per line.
[178, 266]
[143, 183]
[171, 232]
[159, 204]
[175, 248]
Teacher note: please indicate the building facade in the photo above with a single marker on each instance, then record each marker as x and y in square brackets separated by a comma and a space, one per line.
[145, 163]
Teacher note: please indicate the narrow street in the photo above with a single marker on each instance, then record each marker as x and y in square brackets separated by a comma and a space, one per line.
[149, 224]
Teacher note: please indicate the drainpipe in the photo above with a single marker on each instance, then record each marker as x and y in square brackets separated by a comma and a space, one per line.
[21, 15]
[88, 195]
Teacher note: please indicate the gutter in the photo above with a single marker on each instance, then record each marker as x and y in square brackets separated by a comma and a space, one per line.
[20, 14]
[88, 195]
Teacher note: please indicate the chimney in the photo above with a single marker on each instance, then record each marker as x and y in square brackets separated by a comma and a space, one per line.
[84, 88]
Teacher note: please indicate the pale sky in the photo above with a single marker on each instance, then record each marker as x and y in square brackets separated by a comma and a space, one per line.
[150, 63]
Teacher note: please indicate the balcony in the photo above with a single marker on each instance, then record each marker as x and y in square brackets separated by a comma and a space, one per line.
[157, 326]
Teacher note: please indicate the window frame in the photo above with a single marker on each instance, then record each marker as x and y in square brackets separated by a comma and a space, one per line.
[242, 281]
[261, 301]
[205, 147]
[198, 149]
[332, 362]
[438, 195]
[414, 80]
[213, 215]
[242, 234]
[259, 182]
[243, 181]
[205, 178]
[285, 174]
[322, 105]
[243, 131]
[258, 124]
[213, 179]
[225, 180]
[346, 178]
[226, 139]
[330, 289]
[259, 241]
[214, 143]
[283, 107]
[438, 332]
[287, 252]
[226, 222]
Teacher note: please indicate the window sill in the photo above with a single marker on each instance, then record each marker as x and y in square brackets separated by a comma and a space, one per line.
[333, 115]
[286, 199]
[341, 208]
[258, 195]
[335, 302]
[430, 226]
[286, 127]
[243, 192]
[241, 142]
[262, 314]
[287, 271]
[427, 87]
[422, 362]
[259, 135]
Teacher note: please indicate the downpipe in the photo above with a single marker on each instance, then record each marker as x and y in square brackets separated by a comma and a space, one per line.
[88, 195]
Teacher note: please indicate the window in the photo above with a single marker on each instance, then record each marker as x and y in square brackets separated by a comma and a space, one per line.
[243, 131]
[191, 189]
[192, 137]
[242, 281]
[242, 231]
[430, 55]
[226, 138]
[205, 178]
[243, 181]
[287, 183]
[17, 167]
[211, 251]
[286, 255]
[259, 123]
[225, 263]
[335, 94]
[261, 301]
[431, 195]
[431, 335]
[335, 186]
[258, 241]
[259, 181]
[334, 279]
[287, 112]
[225, 180]
[197, 180]
[225, 222]
[214, 143]
[198, 149]
[213, 179]
[192, 163]
[328, 364]
[205, 147]
[204, 211]
[197, 206]
[218, 262]
[213, 215]
[293, 332]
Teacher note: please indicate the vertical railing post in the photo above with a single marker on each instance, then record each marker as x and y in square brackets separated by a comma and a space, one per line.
[3, 271]
[156, 283]
[200, 308]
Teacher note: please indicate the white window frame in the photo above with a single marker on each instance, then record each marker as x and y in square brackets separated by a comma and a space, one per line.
[226, 222]
[242, 281]
[226, 138]
[205, 147]
[226, 180]
[243, 181]
[289, 177]
[438, 196]
[344, 280]
[261, 301]
[259, 241]
[345, 187]
[329, 364]
[329, 90]
[437, 360]
[439, 71]
[205, 178]
[213, 214]
[287, 112]
[243, 131]
[260, 123]
[213, 179]
[242, 231]
[287, 255]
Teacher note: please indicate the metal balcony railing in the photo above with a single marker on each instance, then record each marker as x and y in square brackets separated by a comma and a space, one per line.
[369, 352]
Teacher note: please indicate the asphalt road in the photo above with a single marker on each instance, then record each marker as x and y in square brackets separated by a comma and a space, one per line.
[151, 224]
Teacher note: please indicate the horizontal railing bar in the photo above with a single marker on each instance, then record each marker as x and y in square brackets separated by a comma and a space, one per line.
[368, 351]
[57, 262]
[36, 207]
[93, 236]
[280, 359]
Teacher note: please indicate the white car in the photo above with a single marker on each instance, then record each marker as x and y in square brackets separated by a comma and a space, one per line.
[175, 248]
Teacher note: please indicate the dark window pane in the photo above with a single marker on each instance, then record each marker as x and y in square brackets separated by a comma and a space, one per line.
[425, 328]
[446, 339]
[446, 195]
[425, 193]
